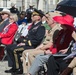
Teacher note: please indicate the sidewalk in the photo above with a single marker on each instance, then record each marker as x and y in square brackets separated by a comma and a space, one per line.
[3, 67]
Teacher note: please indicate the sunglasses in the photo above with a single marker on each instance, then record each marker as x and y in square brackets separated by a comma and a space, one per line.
[3, 13]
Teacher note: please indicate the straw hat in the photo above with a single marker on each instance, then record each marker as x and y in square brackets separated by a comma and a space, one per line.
[31, 4]
[12, 4]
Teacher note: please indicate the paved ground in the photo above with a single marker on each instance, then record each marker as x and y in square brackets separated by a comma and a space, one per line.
[3, 67]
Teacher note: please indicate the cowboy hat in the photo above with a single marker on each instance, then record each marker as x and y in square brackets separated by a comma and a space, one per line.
[6, 11]
[31, 4]
[12, 4]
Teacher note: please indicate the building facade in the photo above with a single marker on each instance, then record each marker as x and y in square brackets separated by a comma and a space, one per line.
[45, 5]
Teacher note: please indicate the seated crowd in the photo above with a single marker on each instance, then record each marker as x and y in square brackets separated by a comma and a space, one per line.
[31, 45]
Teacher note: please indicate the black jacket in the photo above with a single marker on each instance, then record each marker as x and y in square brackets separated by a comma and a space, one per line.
[35, 35]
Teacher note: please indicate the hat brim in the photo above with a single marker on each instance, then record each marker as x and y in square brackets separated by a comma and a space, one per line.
[41, 14]
[53, 14]
[31, 5]
[6, 12]
[62, 21]
[69, 27]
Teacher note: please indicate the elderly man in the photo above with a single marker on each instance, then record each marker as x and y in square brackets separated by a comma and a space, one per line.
[5, 13]
[29, 12]
[13, 9]
[32, 40]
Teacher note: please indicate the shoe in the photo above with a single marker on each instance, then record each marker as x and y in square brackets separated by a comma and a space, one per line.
[19, 71]
[10, 71]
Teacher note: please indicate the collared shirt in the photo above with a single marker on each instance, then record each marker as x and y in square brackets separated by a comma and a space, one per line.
[51, 32]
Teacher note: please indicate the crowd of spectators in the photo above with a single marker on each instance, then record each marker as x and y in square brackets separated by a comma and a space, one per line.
[32, 38]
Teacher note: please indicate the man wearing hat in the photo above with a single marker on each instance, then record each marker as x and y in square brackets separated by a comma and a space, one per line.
[32, 40]
[13, 9]
[5, 13]
[29, 12]
[60, 44]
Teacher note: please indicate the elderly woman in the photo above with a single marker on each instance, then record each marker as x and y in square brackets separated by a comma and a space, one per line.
[7, 35]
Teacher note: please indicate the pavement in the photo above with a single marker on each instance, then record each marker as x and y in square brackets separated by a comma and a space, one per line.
[3, 67]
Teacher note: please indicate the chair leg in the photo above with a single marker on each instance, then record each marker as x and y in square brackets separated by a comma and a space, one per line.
[4, 57]
[5, 54]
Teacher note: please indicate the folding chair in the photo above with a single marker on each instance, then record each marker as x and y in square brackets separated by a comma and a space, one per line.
[5, 51]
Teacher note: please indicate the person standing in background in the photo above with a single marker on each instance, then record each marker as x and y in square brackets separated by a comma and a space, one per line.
[13, 9]
[29, 12]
